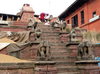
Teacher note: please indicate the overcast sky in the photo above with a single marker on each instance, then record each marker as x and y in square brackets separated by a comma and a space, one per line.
[54, 7]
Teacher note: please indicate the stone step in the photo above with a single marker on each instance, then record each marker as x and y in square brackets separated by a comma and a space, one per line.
[64, 58]
[64, 63]
[57, 46]
[53, 41]
[50, 37]
[45, 27]
[51, 33]
[59, 51]
[59, 54]
[47, 30]
[65, 55]
[69, 73]
[41, 25]
[67, 68]
[59, 58]
[61, 44]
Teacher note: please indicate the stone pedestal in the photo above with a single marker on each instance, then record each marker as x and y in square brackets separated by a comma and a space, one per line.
[88, 67]
[45, 67]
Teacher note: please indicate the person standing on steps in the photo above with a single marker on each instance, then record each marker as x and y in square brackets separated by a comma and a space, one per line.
[42, 17]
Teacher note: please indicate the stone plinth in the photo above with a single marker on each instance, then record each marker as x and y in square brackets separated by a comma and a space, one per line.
[45, 67]
[88, 67]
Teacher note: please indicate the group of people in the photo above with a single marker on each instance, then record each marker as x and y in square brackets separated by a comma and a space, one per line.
[45, 17]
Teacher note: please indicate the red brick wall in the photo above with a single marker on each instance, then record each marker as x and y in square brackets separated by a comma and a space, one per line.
[89, 8]
[19, 23]
[30, 52]
[26, 16]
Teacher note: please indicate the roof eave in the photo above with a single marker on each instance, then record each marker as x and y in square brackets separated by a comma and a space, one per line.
[75, 6]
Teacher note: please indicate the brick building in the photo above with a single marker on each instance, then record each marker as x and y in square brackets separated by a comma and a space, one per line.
[18, 22]
[84, 14]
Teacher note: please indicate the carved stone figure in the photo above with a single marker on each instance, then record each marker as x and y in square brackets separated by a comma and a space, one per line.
[75, 36]
[72, 36]
[56, 23]
[32, 25]
[85, 51]
[38, 33]
[44, 51]
[63, 25]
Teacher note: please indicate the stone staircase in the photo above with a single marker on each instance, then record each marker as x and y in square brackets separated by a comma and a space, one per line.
[59, 53]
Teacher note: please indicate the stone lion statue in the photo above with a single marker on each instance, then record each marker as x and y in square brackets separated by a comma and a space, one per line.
[44, 51]
[85, 51]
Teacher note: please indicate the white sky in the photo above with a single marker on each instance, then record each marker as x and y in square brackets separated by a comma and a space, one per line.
[54, 7]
